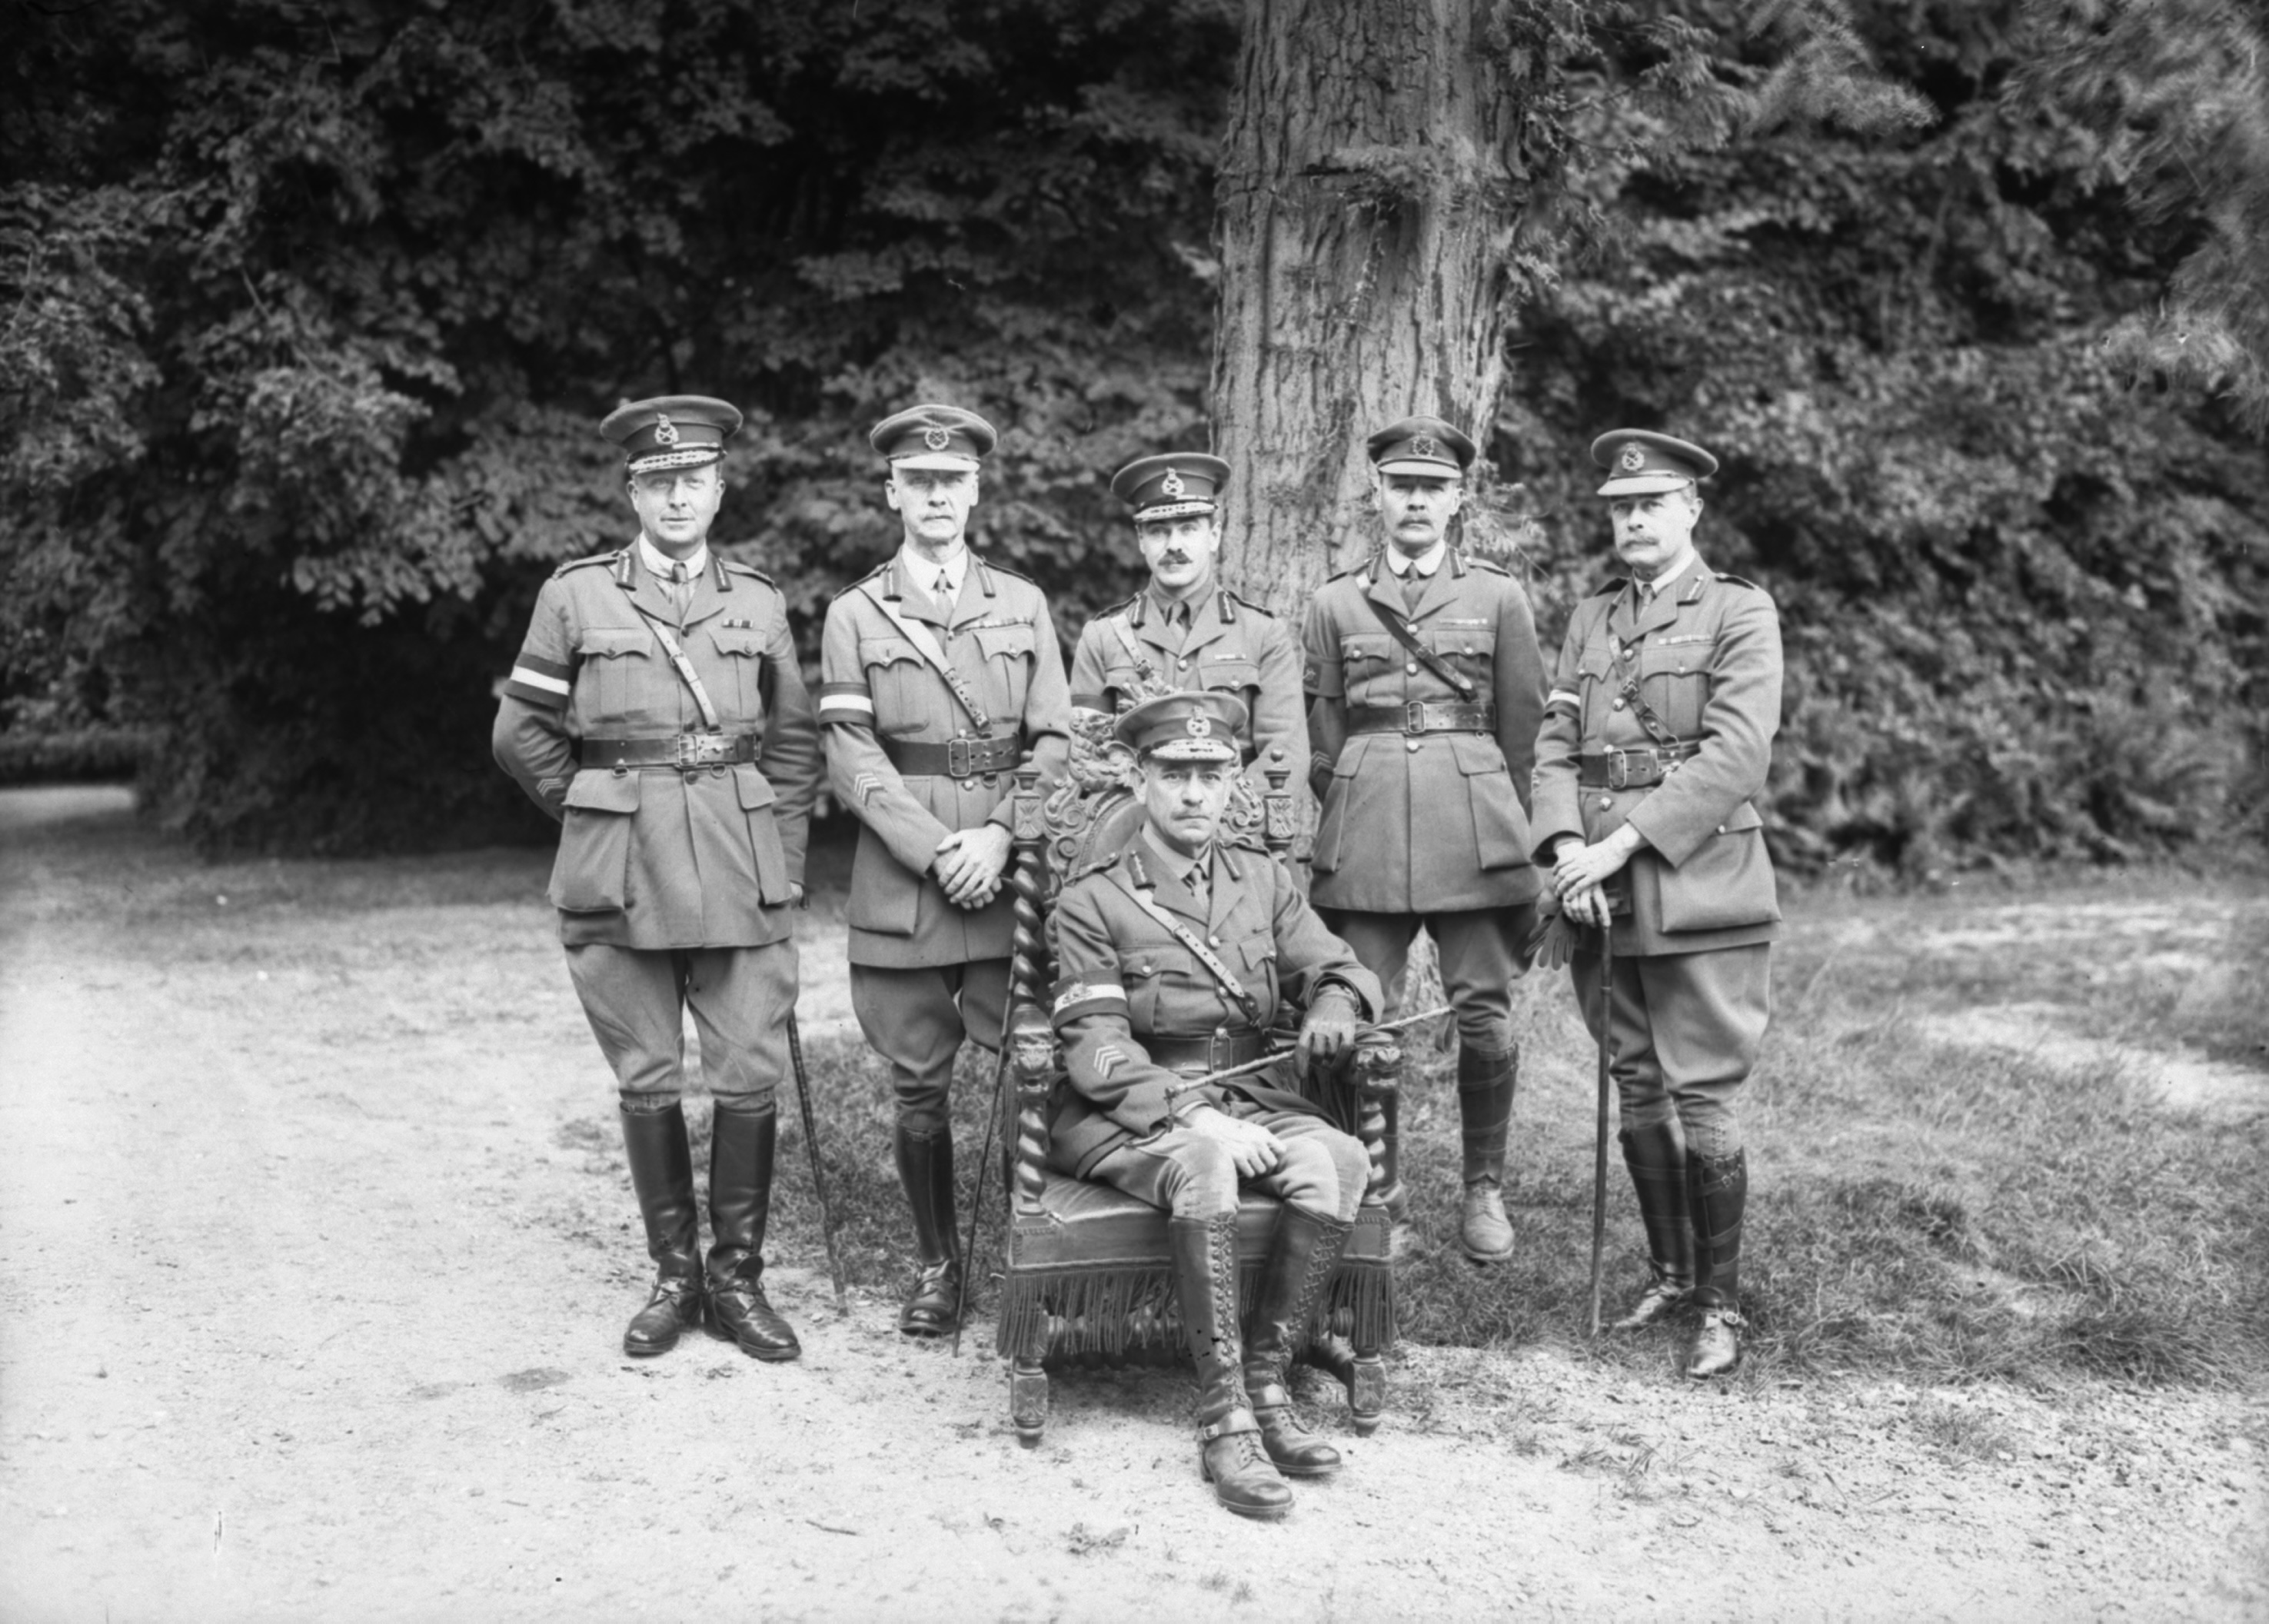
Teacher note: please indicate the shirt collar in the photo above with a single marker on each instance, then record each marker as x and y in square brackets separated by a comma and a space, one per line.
[660, 564]
[1426, 563]
[1662, 583]
[1172, 864]
[924, 573]
[1165, 606]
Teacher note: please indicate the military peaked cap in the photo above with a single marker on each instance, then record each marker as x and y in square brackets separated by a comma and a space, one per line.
[1171, 485]
[1200, 725]
[1421, 445]
[671, 431]
[1640, 463]
[940, 437]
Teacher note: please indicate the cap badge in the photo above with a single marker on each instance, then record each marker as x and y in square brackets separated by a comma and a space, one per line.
[937, 439]
[665, 432]
[1201, 726]
[1633, 459]
[1425, 445]
[1171, 485]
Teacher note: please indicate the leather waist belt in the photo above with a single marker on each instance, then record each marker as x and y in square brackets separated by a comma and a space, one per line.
[682, 750]
[956, 758]
[1419, 716]
[1632, 769]
[1212, 1052]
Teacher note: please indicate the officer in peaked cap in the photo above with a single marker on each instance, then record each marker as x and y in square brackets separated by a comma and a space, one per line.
[1185, 630]
[657, 711]
[1657, 738]
[1426, 686]
[941, 677]
[1134, 1117]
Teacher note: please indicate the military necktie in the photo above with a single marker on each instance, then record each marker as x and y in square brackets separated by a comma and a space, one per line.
[681, 590]
[1414, 588]
[1194, 877]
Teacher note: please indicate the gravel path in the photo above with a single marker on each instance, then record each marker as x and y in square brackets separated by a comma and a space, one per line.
[313, 1256]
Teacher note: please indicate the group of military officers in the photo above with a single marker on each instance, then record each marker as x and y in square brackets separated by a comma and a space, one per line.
[1605, 815]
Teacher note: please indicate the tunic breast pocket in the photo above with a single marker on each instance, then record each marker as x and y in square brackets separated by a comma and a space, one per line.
[1366, 659]
[1140, 978]
[1673, 675]
[900, 682]
[1468, 649]
[740, 650]
[1235, 676]
[619, 661]
[1256, 964]
[1008, 652]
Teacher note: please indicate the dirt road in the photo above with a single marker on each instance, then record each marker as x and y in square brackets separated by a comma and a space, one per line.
[315, 1249]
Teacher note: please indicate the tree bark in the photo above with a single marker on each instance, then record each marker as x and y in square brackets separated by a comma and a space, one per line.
[1367, 206]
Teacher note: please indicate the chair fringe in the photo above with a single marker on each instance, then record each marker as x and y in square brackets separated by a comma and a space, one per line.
[1116, 1311]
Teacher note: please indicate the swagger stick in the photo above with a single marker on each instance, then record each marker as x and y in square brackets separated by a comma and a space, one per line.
[1599, 1149]
[984, 1160]
[1174, 1090]
[811, 1144]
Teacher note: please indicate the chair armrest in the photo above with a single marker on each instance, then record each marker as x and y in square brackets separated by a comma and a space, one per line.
[1038, 1064]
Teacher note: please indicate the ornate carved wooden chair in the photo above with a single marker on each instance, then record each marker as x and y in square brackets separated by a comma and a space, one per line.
[1086, 1268]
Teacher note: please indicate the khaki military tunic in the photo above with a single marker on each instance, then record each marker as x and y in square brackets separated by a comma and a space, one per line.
[672, 882]
[1696, 906]
[654, 857]
[1705, 658]
[1428, 822]
[878, 688]
[1124, 978]
[1228, 646]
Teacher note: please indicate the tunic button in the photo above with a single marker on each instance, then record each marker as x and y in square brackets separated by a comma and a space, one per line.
[1411, 745]
[1607, 803]
[1721, 829]
[1410, 668]
[1213, 942]
[1618, 705]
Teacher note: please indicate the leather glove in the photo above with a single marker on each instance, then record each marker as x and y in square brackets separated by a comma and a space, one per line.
[1329, 1027]
[1556, 938]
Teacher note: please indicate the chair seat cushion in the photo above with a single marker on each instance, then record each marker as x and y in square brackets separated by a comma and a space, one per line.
[1083, 1224]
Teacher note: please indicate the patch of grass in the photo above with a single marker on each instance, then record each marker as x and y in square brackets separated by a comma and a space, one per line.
[1960, 1433]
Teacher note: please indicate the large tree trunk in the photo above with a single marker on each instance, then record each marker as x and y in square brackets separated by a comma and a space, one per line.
[1366, 208]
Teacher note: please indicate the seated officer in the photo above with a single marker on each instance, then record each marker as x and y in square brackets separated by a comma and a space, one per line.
[1175, 955]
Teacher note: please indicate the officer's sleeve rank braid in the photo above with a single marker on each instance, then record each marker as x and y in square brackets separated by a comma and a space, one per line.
[846, 702]
[1075, 999]
[540, 682]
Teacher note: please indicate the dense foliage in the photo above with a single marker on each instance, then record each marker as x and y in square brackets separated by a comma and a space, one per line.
[2024, 599]
[309, 313]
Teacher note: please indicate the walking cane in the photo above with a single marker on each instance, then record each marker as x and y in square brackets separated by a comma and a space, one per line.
[1599, 1148]
[811, 1144]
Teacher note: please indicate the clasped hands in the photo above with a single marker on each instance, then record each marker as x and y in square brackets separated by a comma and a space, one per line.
[1579, 870]
[969, 864]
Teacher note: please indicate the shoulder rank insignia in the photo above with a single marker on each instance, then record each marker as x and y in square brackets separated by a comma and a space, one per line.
[1739, 582]
[992, 562]
[739, 568]
[1608, 591]
[585, 563]
[862, 581]
[1482, 561]
[1242, 601]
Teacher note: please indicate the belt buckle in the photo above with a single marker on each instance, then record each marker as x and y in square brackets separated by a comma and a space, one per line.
[959, 759]
[1618, 769]
[1413, 716]
[697, 750]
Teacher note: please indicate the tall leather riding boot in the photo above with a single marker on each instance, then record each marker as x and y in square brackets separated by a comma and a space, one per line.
[1717, 1189]
[739, 1201]
[1656, 1156]
[1302, 1254]
[926, 1173]
[1391, 1195]
[661, 1172]
[1204, 1253]
[1485, 1088]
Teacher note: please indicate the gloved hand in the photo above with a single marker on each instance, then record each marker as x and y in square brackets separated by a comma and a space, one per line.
[1556, 938]
[1329, 1027]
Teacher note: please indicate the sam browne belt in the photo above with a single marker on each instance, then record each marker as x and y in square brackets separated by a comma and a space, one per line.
[1210, 1051]
[677, 750]
[1419, 716]
[1632, 769]
[956, 758]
